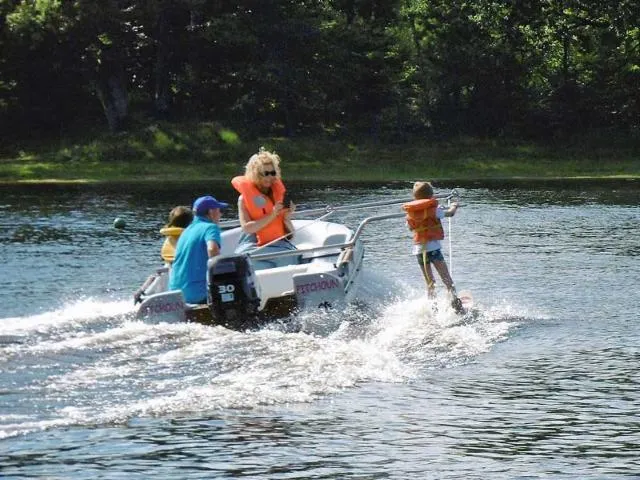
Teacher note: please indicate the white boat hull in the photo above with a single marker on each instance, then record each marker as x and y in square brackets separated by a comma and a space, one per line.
[326, 275]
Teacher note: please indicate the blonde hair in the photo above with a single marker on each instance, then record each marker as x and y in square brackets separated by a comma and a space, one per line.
[255, 166]
[422, 190]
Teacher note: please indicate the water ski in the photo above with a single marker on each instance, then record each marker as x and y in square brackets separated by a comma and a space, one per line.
[463, 303]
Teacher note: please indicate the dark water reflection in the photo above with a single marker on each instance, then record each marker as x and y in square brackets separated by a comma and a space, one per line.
[541, 382]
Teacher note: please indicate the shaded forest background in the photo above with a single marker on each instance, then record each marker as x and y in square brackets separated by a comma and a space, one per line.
[389, 69]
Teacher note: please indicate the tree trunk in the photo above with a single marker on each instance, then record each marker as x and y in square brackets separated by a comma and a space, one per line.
[112, 91]
[194, 70]
[162, 97]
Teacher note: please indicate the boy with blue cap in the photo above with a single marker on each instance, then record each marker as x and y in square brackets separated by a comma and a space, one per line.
[199, 242]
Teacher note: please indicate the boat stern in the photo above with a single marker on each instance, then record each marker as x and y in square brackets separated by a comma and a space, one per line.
[314, 290]
[166, 307]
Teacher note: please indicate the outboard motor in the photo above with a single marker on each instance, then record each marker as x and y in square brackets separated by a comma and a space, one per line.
[232, 296]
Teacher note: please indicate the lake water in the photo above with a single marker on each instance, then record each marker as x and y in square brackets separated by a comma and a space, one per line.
[541, 382]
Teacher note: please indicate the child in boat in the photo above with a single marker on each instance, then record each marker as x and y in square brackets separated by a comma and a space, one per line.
[424, 216]
[179, 218]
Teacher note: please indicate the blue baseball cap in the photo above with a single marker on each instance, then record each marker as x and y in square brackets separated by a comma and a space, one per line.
[203, 204]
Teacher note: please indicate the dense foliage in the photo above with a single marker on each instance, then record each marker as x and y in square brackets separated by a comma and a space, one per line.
[385, 68]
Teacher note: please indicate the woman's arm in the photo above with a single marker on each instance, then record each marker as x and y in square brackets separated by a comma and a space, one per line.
[253, 226]
[288, 224]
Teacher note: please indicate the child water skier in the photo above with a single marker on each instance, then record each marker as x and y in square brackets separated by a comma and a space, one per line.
[424, 216]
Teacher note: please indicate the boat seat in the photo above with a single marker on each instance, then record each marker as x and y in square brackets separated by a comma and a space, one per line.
[305, 245]
[276, 281]
[335, 239]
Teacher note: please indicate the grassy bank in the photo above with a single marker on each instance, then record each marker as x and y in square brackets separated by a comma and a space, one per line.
[203, 151]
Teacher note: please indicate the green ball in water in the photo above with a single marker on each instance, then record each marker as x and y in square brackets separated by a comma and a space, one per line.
[119, 223]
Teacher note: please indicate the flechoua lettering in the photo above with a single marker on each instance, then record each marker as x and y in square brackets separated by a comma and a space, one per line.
[160, 308]
[306, 288]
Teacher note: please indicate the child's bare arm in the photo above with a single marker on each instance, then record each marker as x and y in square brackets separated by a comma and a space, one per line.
[451, 211]
[410, 224]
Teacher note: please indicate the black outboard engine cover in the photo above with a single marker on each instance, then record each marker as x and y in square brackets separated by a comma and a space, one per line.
[231, 293]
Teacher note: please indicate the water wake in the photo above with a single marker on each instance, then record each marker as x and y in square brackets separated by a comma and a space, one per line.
[75, 314]
[90, 363]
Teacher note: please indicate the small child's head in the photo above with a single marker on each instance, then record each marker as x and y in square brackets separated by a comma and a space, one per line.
[180, 217]
[422, 190]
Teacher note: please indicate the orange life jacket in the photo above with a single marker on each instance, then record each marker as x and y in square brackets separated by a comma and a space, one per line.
[259, 205]
[168, 250]
[422, 219]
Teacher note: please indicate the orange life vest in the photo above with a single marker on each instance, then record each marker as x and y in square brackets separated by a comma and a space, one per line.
[259, 205]
[168, 250]
[422, 219]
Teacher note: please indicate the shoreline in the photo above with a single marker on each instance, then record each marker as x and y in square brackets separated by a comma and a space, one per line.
[188, 155]
[516, 179]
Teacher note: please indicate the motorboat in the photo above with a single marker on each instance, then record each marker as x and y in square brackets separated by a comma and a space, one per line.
[324, 271]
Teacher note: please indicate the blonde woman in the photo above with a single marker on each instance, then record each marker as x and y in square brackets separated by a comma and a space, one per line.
[264, 217]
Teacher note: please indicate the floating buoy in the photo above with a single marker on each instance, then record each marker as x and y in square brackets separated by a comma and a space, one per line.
[119, 223]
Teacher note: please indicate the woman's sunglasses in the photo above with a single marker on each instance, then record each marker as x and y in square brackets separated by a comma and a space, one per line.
[273, 173]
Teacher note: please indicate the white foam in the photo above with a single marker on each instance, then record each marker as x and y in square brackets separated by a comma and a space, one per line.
[25, 427]
[76, 313]
[129, 368]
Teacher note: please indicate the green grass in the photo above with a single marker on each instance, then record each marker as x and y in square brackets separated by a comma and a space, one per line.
[200, 151]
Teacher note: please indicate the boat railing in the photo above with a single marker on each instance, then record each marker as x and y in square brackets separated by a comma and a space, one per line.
[333, 247]
[356, 235]
[338, 208]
